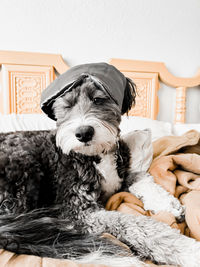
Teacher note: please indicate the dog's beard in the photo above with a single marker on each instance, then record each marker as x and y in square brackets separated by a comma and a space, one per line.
[104, 138]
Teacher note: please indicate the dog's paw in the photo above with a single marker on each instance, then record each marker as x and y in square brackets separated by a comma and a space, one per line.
[170, 204]
[177, 210]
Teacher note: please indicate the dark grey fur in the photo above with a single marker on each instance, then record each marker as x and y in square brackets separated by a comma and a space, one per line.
[50, 202]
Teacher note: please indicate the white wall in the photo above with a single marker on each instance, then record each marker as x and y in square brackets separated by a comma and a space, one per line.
[96, 30]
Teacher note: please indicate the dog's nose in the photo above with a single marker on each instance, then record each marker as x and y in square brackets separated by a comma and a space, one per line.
[84, 133]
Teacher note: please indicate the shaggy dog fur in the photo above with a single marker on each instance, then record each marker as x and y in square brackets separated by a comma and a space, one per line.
[52, 189]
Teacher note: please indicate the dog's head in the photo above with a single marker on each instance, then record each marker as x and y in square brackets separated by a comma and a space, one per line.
[88, 117]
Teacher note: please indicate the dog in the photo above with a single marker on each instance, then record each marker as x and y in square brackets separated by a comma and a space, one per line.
[53, 183]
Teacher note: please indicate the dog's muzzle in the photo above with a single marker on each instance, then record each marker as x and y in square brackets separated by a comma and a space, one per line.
[84, 133]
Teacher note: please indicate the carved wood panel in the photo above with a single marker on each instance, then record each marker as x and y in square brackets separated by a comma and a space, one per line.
[146, 99]
[22, 86]
[180, 111]
[159, 68]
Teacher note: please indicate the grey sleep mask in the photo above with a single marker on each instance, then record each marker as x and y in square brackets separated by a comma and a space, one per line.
[110, 79]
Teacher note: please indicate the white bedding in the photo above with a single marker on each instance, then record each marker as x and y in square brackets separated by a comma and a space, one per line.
[25, 122]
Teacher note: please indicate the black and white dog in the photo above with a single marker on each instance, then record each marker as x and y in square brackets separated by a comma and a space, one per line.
[53, 184]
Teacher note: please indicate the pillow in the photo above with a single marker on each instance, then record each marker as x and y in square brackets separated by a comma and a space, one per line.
[158, 128]
[141, 149]
[25, 122]
[180, 129]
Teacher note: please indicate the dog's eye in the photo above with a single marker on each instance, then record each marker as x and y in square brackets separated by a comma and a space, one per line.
[98, 100]
[67, 106]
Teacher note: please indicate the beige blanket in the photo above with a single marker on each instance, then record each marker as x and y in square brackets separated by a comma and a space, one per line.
[176, 166]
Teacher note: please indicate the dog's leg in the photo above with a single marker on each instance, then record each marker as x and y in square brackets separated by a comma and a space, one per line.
[148, 238]
[154, 197]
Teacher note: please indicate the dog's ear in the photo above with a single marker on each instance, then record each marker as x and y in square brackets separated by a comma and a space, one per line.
[129, 96]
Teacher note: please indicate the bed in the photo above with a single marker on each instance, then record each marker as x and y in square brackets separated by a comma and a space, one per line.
[24, 75]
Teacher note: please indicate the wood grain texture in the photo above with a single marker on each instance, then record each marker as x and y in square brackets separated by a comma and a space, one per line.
[34, 59]
[147, 98]
[180, 112]
[23, 76]
[157, 67]
[147, 101]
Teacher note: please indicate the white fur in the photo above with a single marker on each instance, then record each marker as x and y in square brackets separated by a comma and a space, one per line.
[154, 196]
[114, 261]
[191, 257]
[103, 140]
[163, 243]
[107, 167]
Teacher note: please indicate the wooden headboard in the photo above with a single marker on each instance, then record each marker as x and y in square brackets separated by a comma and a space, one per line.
[147, 75]
[24, 75]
